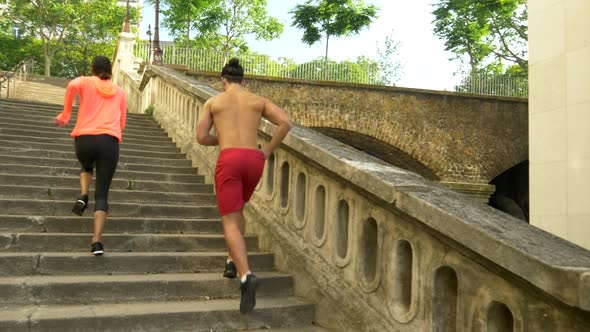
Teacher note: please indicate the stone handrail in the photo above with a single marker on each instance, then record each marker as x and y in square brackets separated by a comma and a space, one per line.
[18, 75]
[381, 249]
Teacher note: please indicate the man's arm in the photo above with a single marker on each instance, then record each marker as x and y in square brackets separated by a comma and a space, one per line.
[278, 117]
[204, 127]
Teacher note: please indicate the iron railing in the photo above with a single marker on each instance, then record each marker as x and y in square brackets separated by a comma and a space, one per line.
[12, 79]
[498, 85]
[348, 72]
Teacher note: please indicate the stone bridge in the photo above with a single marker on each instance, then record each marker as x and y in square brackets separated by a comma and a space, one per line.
[379, 248]
[449, 137]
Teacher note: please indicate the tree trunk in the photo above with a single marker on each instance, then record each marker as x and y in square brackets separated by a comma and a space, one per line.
[326, 76]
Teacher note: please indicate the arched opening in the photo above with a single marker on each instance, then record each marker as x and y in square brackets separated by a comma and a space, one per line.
[342, 229]
[370, 243]
[444, 306]
[285, 184]
[403, 275]
[320, 212]
[300, 194]
[499, 318]
[270, 174]
[512, 191]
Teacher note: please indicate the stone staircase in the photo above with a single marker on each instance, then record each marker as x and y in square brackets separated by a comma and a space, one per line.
[165, 250]
[41, 88]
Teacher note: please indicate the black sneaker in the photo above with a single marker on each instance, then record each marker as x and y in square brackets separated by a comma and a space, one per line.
[248, 288]
[230, 270]
[80, 205]
[97, 249]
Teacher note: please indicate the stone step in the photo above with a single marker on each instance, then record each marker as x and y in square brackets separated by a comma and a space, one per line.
[124, 150]
[30, 107]
[213, 315]
[73, 290]
[311, 328]
[132, 133]
[23, 118]
[72, 242]
[117, 195]
[125, 156]
[125, 184]
[69, 163]
[84, 263]
[19, 207]
[61, 134]
[63, 140]
[121, 174]
[120, 225]
[51, 110]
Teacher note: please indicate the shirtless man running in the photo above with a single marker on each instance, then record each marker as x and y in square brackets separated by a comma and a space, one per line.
[236, 115]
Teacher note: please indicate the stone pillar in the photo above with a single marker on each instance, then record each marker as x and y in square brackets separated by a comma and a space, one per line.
[559, 118]
[124, 58]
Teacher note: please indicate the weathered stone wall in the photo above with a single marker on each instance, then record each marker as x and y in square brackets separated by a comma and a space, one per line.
[459, 137]
[381, 249]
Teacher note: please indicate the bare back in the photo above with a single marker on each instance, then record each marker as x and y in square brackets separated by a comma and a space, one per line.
[236, 117]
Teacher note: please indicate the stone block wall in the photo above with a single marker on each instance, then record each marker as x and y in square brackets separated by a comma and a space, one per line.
[459, 137]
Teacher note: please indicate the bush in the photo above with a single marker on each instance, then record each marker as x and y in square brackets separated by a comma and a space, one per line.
[149, 110]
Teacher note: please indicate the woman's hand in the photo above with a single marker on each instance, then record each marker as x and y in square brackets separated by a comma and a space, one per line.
[60, 123]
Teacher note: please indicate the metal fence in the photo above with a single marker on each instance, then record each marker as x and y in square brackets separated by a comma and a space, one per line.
[348, 72]
[11, 80]
[498, 85]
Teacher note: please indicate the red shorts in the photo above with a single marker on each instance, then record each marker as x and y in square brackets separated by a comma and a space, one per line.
[236, 175]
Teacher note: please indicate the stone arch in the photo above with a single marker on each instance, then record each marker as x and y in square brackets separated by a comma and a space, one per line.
[379, 149]
[512, 191]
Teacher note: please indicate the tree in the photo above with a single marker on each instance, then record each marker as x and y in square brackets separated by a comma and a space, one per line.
[48, 20]
[91, 37]
[458, 23]
[223, 25]
[53, 21]
[483, 30]
[180, 15]
[509, 26]
[364, 70]
[390, 67]
[331, 18]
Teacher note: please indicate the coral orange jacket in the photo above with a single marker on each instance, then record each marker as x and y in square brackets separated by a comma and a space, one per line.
[103, 107]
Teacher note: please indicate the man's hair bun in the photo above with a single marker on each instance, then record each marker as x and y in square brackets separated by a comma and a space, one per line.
[234, 62]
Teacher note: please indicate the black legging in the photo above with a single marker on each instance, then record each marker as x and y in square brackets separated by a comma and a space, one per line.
[102, 150]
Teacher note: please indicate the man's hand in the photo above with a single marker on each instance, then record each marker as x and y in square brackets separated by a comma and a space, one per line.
[265, 153]
[60, 123]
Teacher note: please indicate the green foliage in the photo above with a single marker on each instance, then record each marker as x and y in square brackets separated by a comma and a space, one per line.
[149, 110]
[13, 50]
[70, 32]
[328, 18]
[484, 31]
[179, 17]
[221, 24]
[390, 67]
[364, 70]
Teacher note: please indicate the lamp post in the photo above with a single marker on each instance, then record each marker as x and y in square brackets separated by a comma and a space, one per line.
[127, 25]
[149, 33]
[157, 58]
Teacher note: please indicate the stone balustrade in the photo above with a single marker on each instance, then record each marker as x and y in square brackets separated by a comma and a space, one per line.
[379, 248]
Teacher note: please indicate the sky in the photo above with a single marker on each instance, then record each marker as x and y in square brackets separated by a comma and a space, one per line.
[426, 65]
